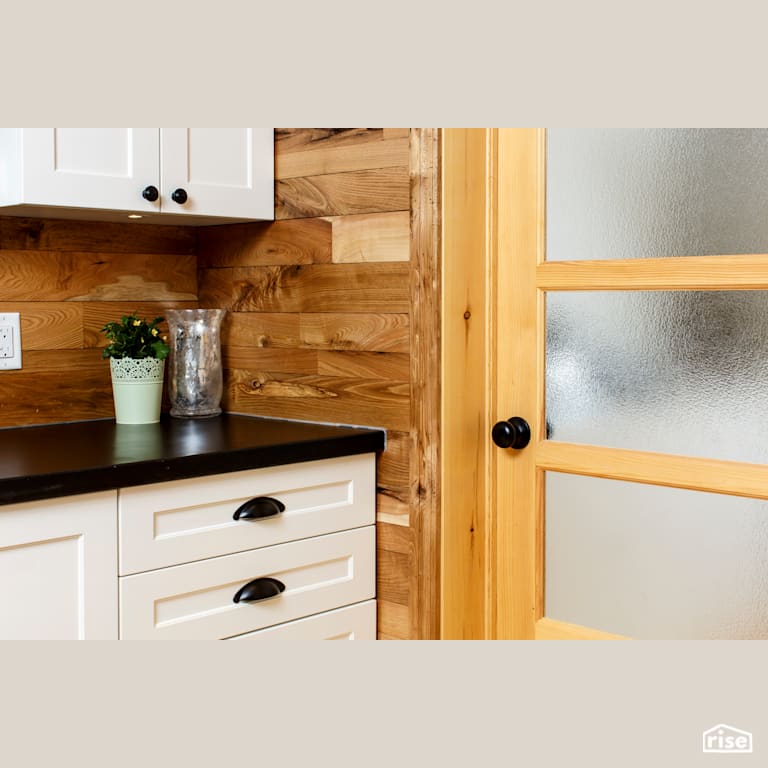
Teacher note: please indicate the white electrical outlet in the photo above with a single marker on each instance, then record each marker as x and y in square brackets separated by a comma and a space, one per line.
[10, 341]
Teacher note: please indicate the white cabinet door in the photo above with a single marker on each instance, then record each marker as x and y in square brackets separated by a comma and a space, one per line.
[58, 569]
[105, 168]
[221, 171]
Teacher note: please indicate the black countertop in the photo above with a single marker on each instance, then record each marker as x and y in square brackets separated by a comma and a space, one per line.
[81, 457]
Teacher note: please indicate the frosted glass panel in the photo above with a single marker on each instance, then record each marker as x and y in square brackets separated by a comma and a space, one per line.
[653, 562]
[682, 372]
[638, 193]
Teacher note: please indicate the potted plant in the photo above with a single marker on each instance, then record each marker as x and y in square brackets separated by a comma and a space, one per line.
[136, 353]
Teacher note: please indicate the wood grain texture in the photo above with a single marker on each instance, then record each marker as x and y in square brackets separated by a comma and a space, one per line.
[464, 432]
[395, 562]
[262, 329]
[91, 276]
[371, 237]
[372, 332]
[323, 159]
[269, 359]
[321, 398]
[394, 538]
[392, 509]
[338, 194]
[393, 620]
[48, 325]
[299, 241]
[425, 380]
[392, 576]
[748, 272]
[396, 133]
[314, 288]
[303, 139]
[60, 385]
[393, 467]
[18, 233]
[389, 366]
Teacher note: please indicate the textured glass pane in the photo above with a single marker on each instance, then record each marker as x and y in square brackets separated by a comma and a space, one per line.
[653, 562]
[637, 193]
[682, 372]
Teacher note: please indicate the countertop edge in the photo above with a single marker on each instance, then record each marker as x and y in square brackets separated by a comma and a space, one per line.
[49, 485]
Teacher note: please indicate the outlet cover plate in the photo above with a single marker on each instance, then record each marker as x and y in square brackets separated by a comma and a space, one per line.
[10, 341]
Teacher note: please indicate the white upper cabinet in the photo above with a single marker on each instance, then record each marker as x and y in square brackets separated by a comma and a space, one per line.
[220, 171]
[174, 175]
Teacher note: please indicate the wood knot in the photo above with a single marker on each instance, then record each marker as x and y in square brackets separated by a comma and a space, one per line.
[467, 315]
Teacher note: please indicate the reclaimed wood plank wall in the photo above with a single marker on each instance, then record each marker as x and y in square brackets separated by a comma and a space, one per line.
[319, 323]
[68, 278]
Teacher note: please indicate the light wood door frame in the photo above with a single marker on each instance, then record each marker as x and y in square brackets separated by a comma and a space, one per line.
[467, 300]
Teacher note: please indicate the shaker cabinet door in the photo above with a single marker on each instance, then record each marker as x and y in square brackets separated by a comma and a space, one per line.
[106, 168]
[58, 569]
[218, 172]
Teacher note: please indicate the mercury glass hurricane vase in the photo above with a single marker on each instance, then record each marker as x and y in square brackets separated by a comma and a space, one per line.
[195, 381]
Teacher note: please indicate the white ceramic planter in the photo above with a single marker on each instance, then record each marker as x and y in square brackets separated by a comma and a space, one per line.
[137, 388]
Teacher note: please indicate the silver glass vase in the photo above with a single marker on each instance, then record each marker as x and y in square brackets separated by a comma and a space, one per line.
[195, 382]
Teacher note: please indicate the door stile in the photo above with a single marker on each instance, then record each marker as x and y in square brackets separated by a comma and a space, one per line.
[520, 247]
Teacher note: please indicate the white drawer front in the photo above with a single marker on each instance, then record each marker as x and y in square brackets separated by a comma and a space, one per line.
[186, 520]
[354, 622]
[195, 601]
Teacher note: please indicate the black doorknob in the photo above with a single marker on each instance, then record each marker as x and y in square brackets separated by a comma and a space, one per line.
[179, 196]
[512, 433]
[150, 193]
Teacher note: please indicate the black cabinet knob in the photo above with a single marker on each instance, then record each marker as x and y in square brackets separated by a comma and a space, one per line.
[512, 433]
[259, 589]
[150, 193]
[179, 196]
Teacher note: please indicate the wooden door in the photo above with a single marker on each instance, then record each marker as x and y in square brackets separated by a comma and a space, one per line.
[222, 171]
[105, 168]
[523, 578]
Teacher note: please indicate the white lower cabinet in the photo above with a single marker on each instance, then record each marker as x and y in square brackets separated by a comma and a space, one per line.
[286, 551]
[58, 566]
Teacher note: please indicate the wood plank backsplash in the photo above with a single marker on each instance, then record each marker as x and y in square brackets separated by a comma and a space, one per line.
[66, 279]
[319, 312]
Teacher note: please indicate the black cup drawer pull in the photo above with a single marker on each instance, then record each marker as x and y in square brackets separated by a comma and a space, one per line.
[259, 508]
[259, 589]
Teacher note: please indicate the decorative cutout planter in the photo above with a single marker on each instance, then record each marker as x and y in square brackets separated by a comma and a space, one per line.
[137, 387]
